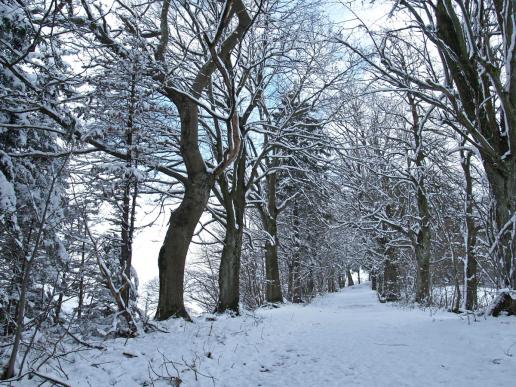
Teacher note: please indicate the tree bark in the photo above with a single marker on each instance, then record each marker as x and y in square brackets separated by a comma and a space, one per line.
[229, 278]
[342, 281]
[422, 239]
[172, 255]
[423, 277]
[229, 273]
[470, 260]
[422, 251]
[270, 221]
[273, 290]
[81, 276]
[331, 283]
[374, 280]
[129, 197]
[389, 284]
[503, 187]
[296, 291]
[350, 278]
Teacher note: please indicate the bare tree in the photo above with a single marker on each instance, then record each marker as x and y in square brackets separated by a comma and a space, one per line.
[471, 78]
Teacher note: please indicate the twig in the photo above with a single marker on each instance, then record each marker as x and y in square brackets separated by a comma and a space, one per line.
[82, 342]
[50, 378]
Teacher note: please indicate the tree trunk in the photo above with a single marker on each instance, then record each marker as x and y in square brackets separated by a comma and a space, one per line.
[423, 267]
[81, 278]
[423, 236]
[273, 291]
[128, 219]
[341, 281]
[390, 284]
[229, 279]
[297, 290]
[380, 282]
[59, 303]
[374, 280]
[350, 278]
[229, 273]
[331, 283]
[127, 222]
[198, 185]
[172, 255]
[234, 201]
[184, 219]
[423, 282]
[503, 187]
[270, 221]
[470, 260]
[310, 289]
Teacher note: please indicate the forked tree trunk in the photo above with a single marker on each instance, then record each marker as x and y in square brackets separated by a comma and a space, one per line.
[200, 181]
[229, 272]
[234, 200]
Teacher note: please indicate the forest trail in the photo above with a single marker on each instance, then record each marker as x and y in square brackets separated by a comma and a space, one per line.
[341, 339]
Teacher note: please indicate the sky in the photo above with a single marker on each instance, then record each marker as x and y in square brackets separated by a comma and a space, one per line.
[147, 244]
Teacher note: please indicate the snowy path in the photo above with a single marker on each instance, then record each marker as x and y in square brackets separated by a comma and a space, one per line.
[341, 339]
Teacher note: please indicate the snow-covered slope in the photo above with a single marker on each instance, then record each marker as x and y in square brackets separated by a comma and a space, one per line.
[340, 339]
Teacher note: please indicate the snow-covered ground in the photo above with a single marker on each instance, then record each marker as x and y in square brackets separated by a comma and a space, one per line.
[342, 339]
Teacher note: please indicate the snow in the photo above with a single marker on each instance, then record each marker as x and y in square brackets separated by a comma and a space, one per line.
[346, 338]
[7, 195]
